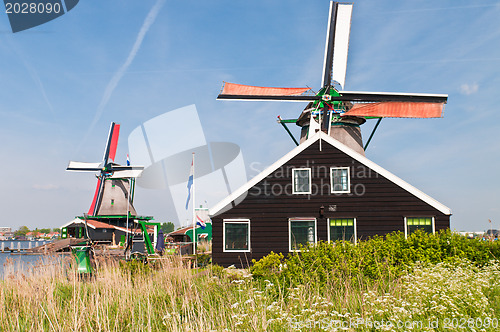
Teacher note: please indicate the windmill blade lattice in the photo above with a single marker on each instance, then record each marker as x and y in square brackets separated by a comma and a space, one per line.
[235, 91]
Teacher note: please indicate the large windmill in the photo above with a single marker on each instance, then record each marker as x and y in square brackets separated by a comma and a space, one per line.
[333, 110]
[115, 183]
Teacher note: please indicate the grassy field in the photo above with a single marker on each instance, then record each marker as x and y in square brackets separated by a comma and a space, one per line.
[455, 294]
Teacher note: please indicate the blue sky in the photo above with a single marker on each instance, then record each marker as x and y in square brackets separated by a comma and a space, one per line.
[62, 83]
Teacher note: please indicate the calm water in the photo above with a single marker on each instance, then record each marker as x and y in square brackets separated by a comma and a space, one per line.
[16, 262]
[22, 244]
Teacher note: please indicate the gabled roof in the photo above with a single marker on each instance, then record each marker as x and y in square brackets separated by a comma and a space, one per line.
[74, 221]
[181, 231]
[95, 224]
[345, 149]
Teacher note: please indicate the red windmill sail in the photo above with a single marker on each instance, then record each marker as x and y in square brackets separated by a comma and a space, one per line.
[249, 90]
[114, 142]
[397, 110]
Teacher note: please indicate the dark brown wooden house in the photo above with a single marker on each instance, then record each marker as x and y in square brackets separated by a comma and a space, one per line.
[320, 191]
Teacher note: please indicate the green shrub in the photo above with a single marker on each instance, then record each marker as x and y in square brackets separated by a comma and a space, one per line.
[378, 258]
[217, 270]
[268, 266]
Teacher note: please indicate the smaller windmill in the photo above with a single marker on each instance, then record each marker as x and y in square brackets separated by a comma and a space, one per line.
[333, 110]
[115, 183]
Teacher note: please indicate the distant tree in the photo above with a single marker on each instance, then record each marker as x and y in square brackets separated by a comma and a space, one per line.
[43, 230]
[167, 227]
[57, 229]
[22, 231]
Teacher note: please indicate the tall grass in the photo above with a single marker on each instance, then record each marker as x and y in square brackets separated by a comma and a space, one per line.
[169, 296]
[129, 296]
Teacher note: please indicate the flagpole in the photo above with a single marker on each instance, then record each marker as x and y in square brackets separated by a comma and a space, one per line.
[128, 205]
[128, 209]
[194, 213]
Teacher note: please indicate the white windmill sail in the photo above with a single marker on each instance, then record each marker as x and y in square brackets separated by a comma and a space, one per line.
[78, 166]
[337, 43]
[342, 32]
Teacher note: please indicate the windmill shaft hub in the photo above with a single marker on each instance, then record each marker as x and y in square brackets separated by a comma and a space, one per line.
[344, 129]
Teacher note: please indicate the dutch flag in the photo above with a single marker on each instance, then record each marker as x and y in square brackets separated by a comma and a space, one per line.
[200, 222]
[128, 160]
[190, 183]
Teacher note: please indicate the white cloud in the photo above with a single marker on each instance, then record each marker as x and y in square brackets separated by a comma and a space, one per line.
[469, 89]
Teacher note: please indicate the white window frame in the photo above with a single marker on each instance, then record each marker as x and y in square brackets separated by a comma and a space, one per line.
[348, 181]
[290, 220]
[293, 181]
[432, 223]
[355, 228]
[234, 221]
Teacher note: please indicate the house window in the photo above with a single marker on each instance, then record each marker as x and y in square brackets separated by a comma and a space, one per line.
[236, 235]
[342, 229]
[301, 181]
[302, 232]
[340, 182]
[426, 224]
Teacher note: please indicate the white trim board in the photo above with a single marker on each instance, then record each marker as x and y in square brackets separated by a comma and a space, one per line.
[309, 176]
[345, 149]
[74, 221]
[348, 181]
[78, 221]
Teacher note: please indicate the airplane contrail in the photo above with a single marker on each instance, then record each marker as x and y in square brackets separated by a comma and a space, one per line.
[32, 72]
[150, 19]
